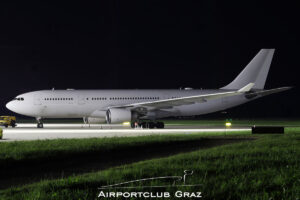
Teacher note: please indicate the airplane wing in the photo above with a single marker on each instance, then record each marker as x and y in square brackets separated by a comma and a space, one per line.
[169, 103]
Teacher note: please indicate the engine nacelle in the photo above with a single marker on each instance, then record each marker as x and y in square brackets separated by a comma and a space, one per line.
[94, 120]
[118, 115]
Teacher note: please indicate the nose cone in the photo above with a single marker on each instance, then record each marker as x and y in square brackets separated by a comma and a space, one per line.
[10, 106]
[19, 107]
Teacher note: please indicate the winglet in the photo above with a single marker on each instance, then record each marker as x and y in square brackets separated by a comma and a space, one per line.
[246, 88]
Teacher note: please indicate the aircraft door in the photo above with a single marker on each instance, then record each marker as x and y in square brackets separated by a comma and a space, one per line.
[37, 100]
[81, 100]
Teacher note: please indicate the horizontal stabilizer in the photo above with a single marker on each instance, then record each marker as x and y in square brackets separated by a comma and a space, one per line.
[271, 91]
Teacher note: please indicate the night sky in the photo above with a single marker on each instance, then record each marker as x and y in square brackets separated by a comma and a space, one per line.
[149, 44]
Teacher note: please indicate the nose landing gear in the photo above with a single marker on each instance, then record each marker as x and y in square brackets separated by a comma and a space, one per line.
[39, 122]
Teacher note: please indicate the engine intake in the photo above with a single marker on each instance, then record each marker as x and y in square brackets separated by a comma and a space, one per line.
[118, 115]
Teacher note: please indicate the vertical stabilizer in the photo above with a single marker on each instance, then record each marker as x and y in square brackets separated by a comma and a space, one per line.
[255, 72]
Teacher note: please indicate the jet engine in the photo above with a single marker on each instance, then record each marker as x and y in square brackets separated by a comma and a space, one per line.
[94, 120]
[118, 115]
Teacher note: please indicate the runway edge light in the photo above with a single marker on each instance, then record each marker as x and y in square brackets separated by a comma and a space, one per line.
[228, 123]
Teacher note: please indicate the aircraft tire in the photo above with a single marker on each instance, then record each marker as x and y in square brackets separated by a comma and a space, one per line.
[160, 125]
[151, 125]
[132, 124]
[143, 125]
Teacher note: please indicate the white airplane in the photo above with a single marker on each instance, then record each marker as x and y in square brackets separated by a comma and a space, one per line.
[146, 106]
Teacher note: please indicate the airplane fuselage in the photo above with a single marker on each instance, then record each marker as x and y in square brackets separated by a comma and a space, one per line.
[83, 103]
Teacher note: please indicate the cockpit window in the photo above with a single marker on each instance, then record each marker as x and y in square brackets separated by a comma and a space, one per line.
[19, 99]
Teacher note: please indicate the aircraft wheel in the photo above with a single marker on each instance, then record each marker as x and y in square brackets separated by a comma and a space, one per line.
[151, 125]
[132, 124]
[160, 125]
[40, 125]
[143, 124]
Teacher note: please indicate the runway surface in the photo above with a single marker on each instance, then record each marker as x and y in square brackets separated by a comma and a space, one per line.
[60, 131]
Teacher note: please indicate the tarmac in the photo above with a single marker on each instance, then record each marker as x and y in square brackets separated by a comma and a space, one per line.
[67, 131]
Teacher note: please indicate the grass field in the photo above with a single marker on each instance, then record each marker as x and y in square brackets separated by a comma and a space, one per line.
[265, 168]
[31, 161]
[40, 149]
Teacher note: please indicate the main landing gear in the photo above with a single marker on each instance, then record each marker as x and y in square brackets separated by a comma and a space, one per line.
[39, 123]
[149, 125]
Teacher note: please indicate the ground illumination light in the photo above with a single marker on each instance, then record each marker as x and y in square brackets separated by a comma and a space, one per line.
[126, 123]
[228, 124]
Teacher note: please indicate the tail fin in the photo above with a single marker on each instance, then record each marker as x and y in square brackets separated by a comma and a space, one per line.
[255, 72]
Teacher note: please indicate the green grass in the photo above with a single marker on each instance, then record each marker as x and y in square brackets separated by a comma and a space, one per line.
[30, 161]
[267, 168]
[40, 149]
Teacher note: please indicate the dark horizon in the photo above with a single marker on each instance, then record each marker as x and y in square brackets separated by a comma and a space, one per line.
[149, 45]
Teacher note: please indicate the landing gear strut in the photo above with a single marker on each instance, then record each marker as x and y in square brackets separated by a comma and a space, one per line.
[149, 125]
[39, 122]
